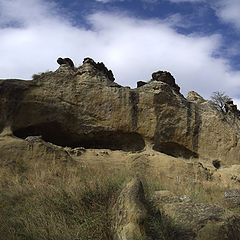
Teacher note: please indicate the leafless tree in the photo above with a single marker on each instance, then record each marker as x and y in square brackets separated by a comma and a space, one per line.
[219, 99]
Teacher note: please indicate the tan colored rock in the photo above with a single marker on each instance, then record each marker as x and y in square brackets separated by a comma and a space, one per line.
[85, 108]
[195, 97]
[129, 212]
[31, 149]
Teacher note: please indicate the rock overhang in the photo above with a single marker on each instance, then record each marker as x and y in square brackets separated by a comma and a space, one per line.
[85, 101]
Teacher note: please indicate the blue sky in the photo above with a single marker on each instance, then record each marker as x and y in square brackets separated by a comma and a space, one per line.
[196, 40]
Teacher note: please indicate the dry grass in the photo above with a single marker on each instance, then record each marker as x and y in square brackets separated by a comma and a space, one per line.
[54, 200]
[197, 191]
[51, 200]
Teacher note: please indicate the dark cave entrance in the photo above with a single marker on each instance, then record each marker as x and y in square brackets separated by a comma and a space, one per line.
[174, 149]
[53, 132]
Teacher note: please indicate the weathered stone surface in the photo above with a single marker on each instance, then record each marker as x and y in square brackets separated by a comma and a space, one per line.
[129, 212]
[85, 108]
[165, 77]
[99, 67]
[195, 97]
[232, 197]
[33, 148]
[198, 221]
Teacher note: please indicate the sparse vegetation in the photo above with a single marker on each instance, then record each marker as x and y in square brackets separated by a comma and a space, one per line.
[58, 200]
[38, 75]
[160, 227]
[198, 191]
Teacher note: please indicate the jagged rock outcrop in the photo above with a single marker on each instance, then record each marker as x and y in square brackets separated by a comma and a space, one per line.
[99, 67]
[166, 77]
[83, 107]
[231, 108]
[195, 97]
[67, 61]
[140, 84]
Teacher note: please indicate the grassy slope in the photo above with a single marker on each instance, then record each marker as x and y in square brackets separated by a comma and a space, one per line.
[72, 200]
[49, 200]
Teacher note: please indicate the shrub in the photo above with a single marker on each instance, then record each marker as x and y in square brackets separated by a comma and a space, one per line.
[38, 75]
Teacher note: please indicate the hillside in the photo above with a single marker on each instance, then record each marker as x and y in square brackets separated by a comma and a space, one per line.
[85, 158]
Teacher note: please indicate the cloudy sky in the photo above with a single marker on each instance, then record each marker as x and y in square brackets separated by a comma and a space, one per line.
[196, 40]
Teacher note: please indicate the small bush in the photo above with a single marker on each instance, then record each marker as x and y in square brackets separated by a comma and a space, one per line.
[38, 75]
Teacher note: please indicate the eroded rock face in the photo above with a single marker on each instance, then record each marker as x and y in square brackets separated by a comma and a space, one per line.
[83, 107]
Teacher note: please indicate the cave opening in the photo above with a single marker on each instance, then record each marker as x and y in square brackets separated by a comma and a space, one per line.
[175, 150]
[54, 133]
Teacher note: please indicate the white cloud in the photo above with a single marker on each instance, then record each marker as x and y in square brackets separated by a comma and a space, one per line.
[131, 47]
[103, 1]
[26, 12]
[180, 1]
[228, 11]
[107, 1]
[150, 1]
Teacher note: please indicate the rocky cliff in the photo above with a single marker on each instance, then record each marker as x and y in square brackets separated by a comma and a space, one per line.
[84, 107]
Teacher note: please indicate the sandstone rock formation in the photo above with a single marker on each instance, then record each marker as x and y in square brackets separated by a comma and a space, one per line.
[130, 213]
[195, 97]
[165, 77]
[83, 107]
[32, 149]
